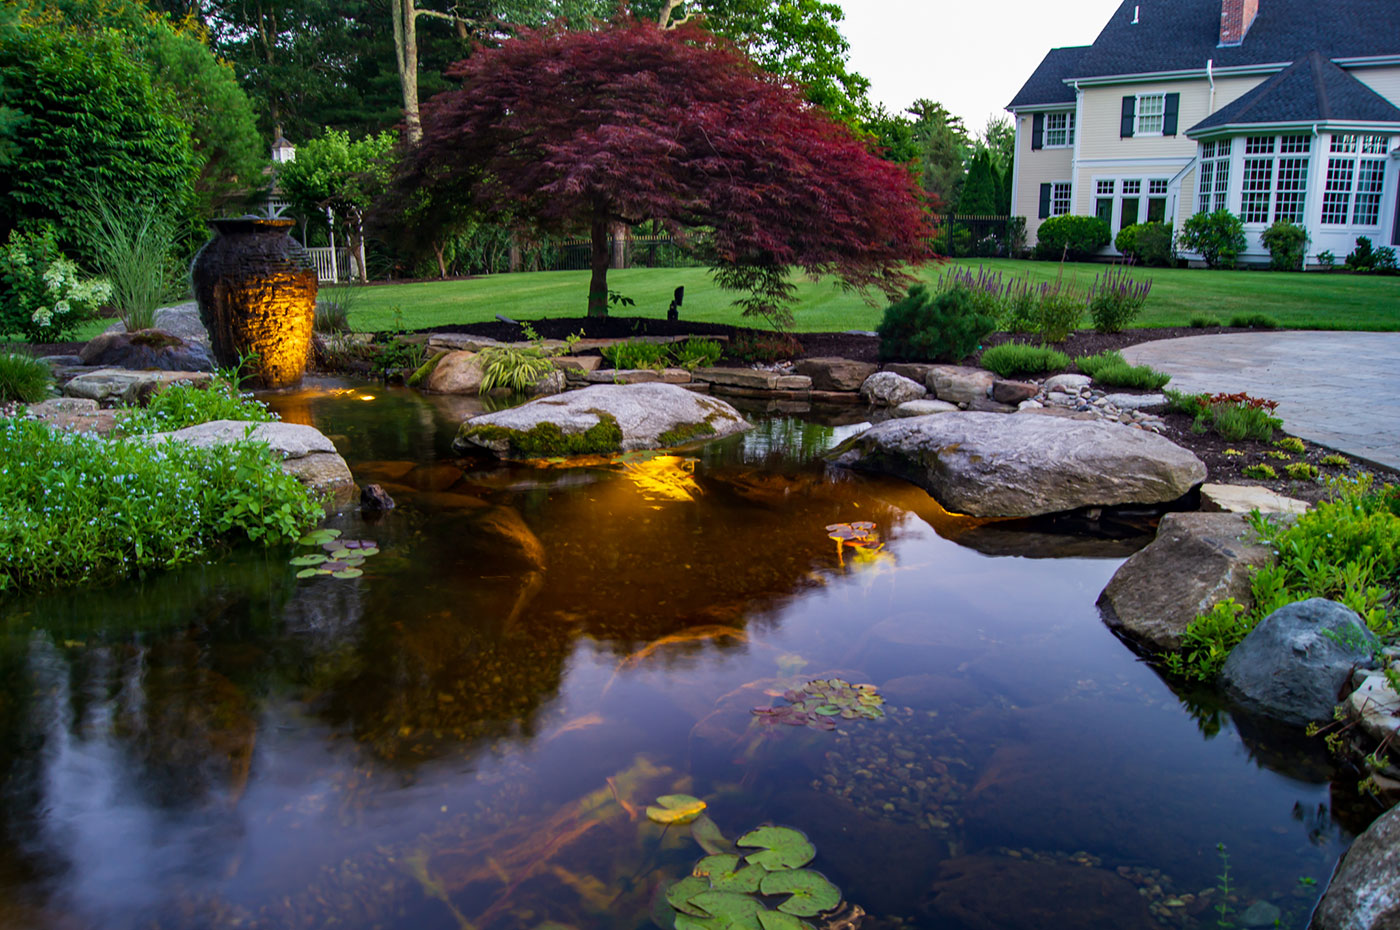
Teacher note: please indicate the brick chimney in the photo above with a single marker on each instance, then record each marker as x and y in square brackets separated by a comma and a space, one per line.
[1236, 16]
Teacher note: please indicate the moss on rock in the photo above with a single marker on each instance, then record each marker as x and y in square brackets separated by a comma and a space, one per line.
[421, 376]
[547, 440]
[685, 433]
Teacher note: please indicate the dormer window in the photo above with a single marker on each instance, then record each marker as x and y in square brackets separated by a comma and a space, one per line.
[1059, 130]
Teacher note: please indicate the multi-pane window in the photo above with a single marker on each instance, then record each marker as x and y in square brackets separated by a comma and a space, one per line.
[1157, 200]
[1060, 195]
[1214, 190]
[1059, 130]
[1291, 178]
[1150, 111]
[1258, 180]
[1356, 167]
[1103, 204]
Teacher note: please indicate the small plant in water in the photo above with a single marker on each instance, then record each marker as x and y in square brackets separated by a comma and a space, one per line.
[1224, 888]
[340, 558]
[820, 703]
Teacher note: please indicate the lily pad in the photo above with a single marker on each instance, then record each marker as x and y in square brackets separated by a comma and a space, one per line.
[687, 922]
[309, 573]
[348, 573]
[318, 537]
[783, 848]
[354, 553]
[705, 832]
[679, 895]
[777, 920]
[675, 809]
[811, 892]
[725, 874]
[304, 560]
[820, 701]
[732, 909]
[359, 544]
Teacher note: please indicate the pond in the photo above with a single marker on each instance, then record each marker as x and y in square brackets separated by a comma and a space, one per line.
[468, 734]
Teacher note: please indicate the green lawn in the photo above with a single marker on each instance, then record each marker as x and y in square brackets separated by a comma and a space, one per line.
[1298, 301]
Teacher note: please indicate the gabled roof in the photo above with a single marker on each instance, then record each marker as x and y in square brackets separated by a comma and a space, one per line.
[1047, 85]
[1311, 90]
[1181, 35]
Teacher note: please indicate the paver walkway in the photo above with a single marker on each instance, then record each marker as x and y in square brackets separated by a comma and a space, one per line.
[1340, 390]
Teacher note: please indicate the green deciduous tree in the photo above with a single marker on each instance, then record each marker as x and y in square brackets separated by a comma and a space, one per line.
[347, 176]
[943, 141]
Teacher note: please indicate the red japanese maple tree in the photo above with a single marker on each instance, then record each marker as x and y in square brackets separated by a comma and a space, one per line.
[581, 131]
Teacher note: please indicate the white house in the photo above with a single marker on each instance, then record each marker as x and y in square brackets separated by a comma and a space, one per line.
[1272, 109]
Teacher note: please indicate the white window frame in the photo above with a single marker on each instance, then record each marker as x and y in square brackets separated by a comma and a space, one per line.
[1143, 121]
[1061, 193]
[1213, 175]
[1065, 129]
[1354, 186]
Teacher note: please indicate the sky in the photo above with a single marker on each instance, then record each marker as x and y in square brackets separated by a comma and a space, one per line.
[971, 57]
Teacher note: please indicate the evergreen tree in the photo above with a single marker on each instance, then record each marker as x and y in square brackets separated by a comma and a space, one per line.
[979, 193]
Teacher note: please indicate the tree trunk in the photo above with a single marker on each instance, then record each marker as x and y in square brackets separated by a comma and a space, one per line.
[602, 257]
[405, 18]
[439, 248]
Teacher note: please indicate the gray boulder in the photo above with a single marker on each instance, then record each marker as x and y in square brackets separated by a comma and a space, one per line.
[887, 389]
[1365, 891]
[602, 419]
[1196, 561]
[305, 451]
[959, 384]
[122, 386]
[924, 408]
[146, 349]
[1293, 665]
[180, 320]
[988, 465]
[457, 372]
[835, 374]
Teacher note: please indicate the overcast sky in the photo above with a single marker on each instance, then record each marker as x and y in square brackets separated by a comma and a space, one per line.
[970, 56]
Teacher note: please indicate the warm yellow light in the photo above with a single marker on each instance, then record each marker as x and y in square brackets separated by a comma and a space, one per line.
[366, 397]
[665, 477]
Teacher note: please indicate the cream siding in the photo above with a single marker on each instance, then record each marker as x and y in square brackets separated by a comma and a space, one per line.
[1103, 109]
[1384, 81]
[1033, 168]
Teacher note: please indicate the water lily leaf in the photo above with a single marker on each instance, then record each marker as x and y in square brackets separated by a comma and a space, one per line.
[359, 544]
[777, 920]
[811, 892]
[783, 848]
[348, 573]
[675, 808]
[828, 710]
[733, 910]
[725, 874]
[309, 573]
[303, 560]
[686, 922]
[318, 537]
[679, 895]
[358, 554]
[335, 566]
[708, 835]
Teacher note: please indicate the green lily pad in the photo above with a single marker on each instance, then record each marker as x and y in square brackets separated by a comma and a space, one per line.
[811, 892]
[319, 537]
[309, 573]
[359, 544]
[354, 553]
[827, 710]
[732, 910]
[679, 895]
[348, 573]
[686, 922]
[725, 874]
[777, 920]
[783, 848]
[303, 560]
[675, 809]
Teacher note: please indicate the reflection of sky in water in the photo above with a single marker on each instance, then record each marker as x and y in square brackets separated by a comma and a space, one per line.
[224, 742]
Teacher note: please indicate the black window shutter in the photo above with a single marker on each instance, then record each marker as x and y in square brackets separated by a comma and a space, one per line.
[1038, 131]
[1044, 201]
[1129, 111]
[1169, 118]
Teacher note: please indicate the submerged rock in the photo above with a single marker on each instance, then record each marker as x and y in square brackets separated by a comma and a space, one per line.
[996, 893]
[1365, 891]
[305, 451]
[988, 465]
[1293, 665]
[600, 420]
[1196, 561]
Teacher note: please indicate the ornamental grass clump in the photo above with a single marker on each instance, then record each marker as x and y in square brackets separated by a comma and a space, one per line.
[80, 508]
[1111, 369]
[23, 379]
[1019, 359]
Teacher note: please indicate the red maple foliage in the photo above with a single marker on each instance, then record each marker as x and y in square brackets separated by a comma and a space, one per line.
[581, 131]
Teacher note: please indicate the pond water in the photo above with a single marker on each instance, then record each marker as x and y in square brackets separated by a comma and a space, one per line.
[468, 735]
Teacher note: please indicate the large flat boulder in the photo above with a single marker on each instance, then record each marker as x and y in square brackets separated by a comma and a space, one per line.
[1242, 498]
[109, 386]
[835, 374]
[1293, 665]
[1365, 890]
[146, 349]
[1196, 561]
[602, 419]
[989, 465]
[959, 384]
[74, 415]
[753, 379]
[306, 452]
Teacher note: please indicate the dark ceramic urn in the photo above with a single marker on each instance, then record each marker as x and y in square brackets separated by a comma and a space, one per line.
[256, 288]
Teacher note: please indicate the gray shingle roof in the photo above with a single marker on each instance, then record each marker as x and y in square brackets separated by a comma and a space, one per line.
[1312, 89]
[1047, 84]
[1178, 35]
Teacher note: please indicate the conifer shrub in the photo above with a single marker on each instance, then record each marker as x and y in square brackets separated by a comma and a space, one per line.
[933, 327]
[1014, 358]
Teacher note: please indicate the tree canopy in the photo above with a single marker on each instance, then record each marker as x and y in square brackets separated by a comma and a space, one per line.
[579, 132]
[348, 176]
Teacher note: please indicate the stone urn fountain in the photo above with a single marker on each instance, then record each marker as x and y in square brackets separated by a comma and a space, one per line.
[256, 288]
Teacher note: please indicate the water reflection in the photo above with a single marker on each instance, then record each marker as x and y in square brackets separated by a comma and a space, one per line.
[467, 735]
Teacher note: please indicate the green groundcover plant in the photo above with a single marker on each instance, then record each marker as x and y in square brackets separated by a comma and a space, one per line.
[182, 405]
[1013, 358]
[79, 508]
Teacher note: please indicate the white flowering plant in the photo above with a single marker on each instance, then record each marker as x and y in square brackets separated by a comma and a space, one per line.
[43, 295]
